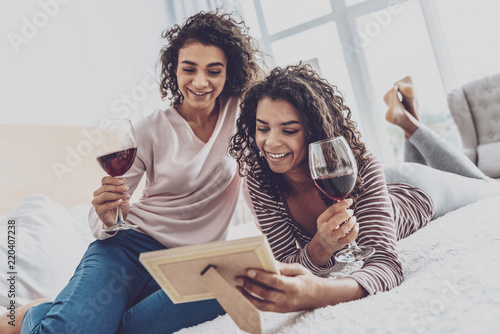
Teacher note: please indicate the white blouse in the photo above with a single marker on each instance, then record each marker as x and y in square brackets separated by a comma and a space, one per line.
[191, 188]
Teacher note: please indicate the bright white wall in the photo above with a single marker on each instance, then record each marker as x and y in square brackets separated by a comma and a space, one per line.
[72, 62]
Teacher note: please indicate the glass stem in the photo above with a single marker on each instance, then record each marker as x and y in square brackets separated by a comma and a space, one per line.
[119, 217]
[353, 246]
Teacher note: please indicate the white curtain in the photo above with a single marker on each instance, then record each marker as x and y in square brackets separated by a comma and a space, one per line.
[182, 9]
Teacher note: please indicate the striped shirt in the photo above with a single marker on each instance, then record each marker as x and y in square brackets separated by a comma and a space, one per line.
[385, 213]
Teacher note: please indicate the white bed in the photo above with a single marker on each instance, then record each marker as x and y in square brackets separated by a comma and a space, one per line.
[48, 177]
[452, 285]
[451, 267]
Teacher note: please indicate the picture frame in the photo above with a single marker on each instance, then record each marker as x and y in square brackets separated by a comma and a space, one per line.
[179, 270]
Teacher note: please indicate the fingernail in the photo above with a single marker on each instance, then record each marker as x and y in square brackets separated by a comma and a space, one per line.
[349, 212]
[350, 201]
[251, 273]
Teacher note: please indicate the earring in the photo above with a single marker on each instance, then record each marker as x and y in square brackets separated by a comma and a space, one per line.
[260, 154]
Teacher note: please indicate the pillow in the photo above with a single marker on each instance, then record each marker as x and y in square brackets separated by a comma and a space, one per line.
[50, 240]
[488, 159]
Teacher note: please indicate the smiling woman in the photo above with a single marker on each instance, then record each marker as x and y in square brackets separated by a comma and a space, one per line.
[280, 117]
[280, 136]
[191, 190]
[201, 75]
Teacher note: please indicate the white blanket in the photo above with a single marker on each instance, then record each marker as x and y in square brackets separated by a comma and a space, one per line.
[452, 285]
[452, 274]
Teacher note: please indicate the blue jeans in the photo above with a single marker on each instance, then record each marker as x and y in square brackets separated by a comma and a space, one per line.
[111, 292]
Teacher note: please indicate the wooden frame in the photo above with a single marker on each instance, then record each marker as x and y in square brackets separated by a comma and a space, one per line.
[209, 270]
[178, 270]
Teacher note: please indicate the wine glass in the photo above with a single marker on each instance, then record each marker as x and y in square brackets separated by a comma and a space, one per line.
[334, 171]
[116, 152]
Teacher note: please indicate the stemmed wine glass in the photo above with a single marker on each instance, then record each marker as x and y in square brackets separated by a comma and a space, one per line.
[334, 171]
[116, 152]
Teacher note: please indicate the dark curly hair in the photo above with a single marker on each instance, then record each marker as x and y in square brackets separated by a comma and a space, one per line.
[244, 59]
[321, 111]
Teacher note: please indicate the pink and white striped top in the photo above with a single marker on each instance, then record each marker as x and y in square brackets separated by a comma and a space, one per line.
[385, 213]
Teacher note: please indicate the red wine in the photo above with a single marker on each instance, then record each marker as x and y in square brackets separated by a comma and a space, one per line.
[117, 163]
[337, 187]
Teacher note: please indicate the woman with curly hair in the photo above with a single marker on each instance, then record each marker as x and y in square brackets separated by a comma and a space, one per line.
[191, 191]
[280, 117]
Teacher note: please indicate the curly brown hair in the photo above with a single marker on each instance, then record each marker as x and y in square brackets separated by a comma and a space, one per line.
[244, 60]
[321, 111]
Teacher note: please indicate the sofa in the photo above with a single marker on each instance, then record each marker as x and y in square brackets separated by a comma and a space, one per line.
[475, 108]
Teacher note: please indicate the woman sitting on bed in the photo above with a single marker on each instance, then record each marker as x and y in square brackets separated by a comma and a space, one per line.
[281, 116]
[191, 191]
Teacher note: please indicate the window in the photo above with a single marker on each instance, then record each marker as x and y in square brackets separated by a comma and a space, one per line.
[284, 14]
[398, 47]
[353, 2]
[363, 47]
[326, 57]
[471, 32]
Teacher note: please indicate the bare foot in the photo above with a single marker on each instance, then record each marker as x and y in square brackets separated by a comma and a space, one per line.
[407, 90]
[398, 115]
[396, 110]
[10, 322]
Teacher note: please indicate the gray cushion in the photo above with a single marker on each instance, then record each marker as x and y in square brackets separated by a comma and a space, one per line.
[489, 159]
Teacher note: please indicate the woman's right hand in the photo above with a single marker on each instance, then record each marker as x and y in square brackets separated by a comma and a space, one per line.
[336, 228]
[111, 194]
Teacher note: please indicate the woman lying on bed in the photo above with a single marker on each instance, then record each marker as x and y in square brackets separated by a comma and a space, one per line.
[281, 116]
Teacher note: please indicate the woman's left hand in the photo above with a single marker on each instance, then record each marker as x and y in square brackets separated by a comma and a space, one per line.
[294, 290]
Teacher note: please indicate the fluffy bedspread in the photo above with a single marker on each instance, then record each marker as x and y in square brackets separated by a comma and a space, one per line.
[452, 285]
[452, 274]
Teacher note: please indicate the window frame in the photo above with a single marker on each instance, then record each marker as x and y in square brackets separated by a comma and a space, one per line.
[345, 18]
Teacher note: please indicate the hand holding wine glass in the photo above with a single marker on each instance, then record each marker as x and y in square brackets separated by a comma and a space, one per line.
[116, 153]
[334, 171]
